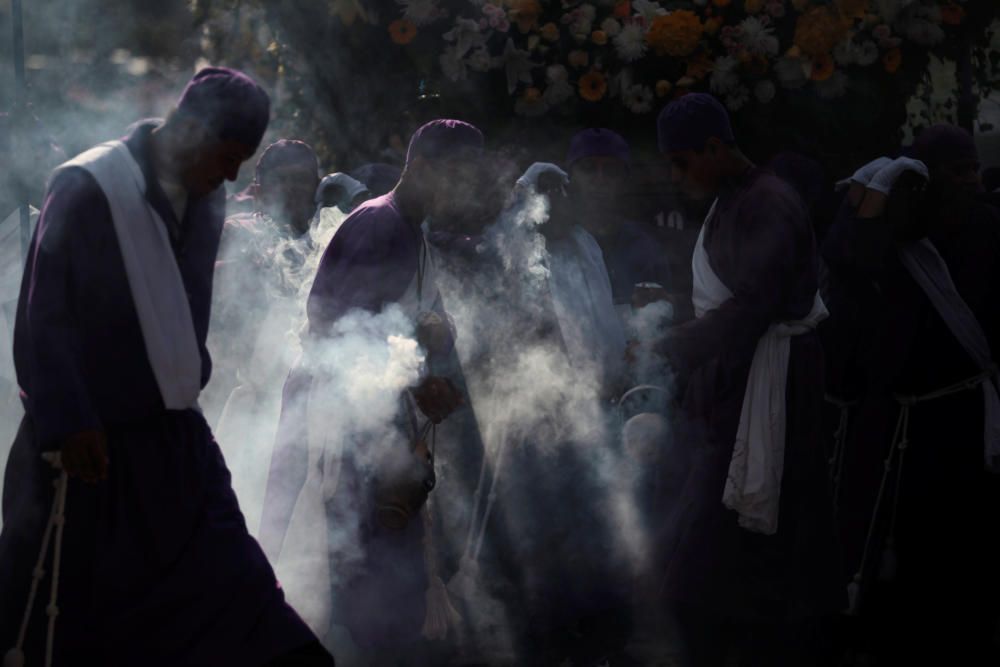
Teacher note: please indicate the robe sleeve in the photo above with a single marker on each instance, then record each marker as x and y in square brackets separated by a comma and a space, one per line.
[766, 233]
[49, 341]
[368, 265]
[857, 246]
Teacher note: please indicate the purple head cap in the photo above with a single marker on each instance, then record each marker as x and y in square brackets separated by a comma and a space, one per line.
[444, 138]
[232, 104]
[943, 143]
[597, 142]
[287, 153]
[689, 121]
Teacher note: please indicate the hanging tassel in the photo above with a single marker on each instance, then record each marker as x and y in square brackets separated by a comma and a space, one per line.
[14, 658]
[854, 595]
[888, 565]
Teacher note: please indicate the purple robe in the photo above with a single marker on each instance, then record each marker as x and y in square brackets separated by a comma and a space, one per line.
[761, 246]
[632, 254]
[368, 265]
[158, 566]
[947, 542]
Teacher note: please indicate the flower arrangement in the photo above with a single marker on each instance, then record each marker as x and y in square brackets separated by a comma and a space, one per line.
[559, 54]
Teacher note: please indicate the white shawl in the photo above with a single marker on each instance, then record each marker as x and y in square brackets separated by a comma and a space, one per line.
[753, 485]
[153, 275]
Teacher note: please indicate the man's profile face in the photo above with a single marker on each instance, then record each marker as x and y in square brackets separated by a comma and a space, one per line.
[213, 162]
[287, 194]
[596, 184]
[453, 185]
[695, 173]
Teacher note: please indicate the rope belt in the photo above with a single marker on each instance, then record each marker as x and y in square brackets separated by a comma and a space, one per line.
[896, 458]
[836, 461]
[57, 520]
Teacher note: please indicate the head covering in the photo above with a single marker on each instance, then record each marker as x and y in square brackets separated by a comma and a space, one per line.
[339, 190]
[287, 153]
[688, 122]
[443, 138]
[379, 177]
[229, 102]
[597, 142]
[943, 143]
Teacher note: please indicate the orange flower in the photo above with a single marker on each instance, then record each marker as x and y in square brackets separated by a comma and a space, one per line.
[623, 9]
[578, 59]
[525, 14]
[531, 94]
[675, 34]
[852, 9]
[891, 60]
[822, 68]
[721, 3]
[599, 37]
[663, 88]
[593, 86]
[550, 32]
[402, 31]
[819, 30]
[699, 67]
[753, 6]
[952, 14]
[712, 26]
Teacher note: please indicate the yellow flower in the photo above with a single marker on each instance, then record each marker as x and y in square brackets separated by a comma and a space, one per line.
[593, 86]
[852, 9]
[819, 30]
[822, 68]
[550, 32]
[892, 60]
[525, 14]
[699, 67]
[578, 59]
[663, 88]
[599, 37]
[675, 34]
[402, 31]
[712, 26]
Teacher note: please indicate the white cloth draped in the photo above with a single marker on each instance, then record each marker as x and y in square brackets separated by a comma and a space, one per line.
[931, 273]
[753, 485]
[154, 278]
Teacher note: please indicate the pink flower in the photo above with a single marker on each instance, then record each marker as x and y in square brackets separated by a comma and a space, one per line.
[503, 25]
[881, 31]
[776, 8]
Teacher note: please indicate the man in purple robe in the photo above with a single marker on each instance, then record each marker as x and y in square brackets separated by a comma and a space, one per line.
[378, 258]
[749, 569]
[598, 163]
[924, 559]
[157, 565]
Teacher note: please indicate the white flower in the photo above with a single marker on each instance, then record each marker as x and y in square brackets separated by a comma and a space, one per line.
[558, 92]
[466, 35]
[791, 72]
[581, 22]
[630, 44]
[757, 37]
[556, 73]
[517, 65]
[420, 12]
[739, 97]
[835, 86]
[648, 9]
[480, 60]
[764, 91]
[921, 31]
[867, 53]
[724, 78]
[611, 27]
[638, 98]
[452, 64]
